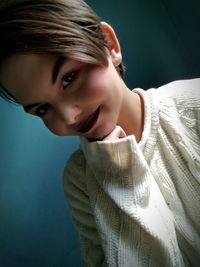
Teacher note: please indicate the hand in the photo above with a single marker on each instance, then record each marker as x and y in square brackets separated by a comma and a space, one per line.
[116, 133]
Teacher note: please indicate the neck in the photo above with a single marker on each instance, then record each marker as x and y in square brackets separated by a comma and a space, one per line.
[131, 117]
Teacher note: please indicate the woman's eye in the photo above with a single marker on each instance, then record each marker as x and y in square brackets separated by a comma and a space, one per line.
[42, 110]
[67, 79]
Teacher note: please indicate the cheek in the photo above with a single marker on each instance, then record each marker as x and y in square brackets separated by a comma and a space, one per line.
[96, 85]
[57, 128]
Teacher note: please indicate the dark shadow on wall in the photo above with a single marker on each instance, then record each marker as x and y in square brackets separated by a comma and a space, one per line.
[160, 39]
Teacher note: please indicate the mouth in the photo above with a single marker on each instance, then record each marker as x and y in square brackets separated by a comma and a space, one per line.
[88, 124]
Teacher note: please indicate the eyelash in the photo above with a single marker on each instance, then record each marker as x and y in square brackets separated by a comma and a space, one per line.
[70, 76]
[42, 110]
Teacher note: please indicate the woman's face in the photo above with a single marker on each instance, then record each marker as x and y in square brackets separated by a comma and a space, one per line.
[71, 98]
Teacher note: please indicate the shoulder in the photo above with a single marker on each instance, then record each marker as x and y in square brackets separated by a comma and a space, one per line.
[181, 98]
[183, 93]
[187, 84]
[175, 100]
[175, 97]
[179, 115]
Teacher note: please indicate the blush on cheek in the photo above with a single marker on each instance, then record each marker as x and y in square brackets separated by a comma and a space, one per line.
[96, 92]
[96, 84]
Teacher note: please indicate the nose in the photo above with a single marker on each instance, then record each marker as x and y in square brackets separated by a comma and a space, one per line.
[68, 113]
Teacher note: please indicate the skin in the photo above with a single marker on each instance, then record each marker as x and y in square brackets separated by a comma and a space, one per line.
[79, 91]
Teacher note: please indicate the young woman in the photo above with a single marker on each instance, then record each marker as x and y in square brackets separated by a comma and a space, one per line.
[133, 186]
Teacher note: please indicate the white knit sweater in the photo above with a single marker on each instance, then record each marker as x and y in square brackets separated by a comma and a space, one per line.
[138, 205]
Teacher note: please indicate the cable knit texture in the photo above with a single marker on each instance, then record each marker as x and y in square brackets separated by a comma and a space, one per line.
[138, 205]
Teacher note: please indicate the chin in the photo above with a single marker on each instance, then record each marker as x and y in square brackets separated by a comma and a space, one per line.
[101, 132]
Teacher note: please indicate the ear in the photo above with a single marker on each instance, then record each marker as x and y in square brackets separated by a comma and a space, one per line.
[113, 45]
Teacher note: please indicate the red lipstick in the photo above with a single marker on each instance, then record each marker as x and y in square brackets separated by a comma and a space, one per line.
[89, 122]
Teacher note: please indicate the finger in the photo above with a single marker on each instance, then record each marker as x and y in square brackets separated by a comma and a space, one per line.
[117, 133]
[121, 132]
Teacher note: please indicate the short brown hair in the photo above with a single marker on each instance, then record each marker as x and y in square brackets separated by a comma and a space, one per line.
[68, 27]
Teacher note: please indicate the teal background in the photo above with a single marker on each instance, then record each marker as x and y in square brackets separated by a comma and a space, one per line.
[160, 42]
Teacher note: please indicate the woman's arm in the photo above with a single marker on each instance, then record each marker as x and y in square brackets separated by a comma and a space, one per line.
[78, 201]
[130, 210]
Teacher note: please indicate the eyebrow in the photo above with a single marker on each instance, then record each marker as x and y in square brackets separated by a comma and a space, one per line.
[28, 107]
[56, 69]
[4, 93]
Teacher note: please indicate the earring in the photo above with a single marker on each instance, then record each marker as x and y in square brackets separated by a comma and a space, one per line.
[117, 59]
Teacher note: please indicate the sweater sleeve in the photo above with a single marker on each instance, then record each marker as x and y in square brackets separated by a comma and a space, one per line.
[146, 233]
[78, 201]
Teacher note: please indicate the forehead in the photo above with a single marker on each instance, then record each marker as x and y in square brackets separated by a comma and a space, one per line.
[25, 64]
[19, 72]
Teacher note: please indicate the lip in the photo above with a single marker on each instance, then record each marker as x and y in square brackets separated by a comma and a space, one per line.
[88, 124]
